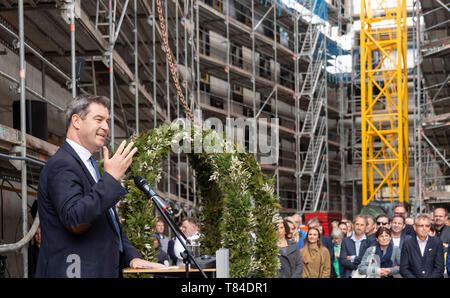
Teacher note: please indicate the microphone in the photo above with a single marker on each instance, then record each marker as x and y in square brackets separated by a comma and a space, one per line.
[143, 185]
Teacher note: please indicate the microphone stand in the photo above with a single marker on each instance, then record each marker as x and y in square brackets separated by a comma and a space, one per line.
[187, 254]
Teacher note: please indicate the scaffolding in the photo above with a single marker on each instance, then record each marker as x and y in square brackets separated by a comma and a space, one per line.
[432, 74]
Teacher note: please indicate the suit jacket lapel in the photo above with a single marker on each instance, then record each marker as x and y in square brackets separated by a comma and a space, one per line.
[116, 216]
[362, 246]
[353, 246]
[70, 150]
[428, 249]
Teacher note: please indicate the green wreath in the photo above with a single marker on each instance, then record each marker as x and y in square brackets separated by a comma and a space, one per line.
[237, 199]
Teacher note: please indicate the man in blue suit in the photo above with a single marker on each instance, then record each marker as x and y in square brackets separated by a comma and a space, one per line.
[422, 256]
[354, 247]
[81, 232]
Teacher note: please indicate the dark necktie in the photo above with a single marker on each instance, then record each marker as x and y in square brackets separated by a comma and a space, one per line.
[111, 212]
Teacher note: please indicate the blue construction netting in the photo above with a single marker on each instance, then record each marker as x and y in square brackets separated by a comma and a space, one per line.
[320, 10]
[332, 46]
[320, 6]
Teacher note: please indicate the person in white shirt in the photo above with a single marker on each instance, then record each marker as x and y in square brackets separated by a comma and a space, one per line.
[190, 229]
[397, 229]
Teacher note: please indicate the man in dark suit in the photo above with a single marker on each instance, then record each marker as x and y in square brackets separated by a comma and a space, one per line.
[354, 247]
[81, 232]
[440, 216]
[422, 256]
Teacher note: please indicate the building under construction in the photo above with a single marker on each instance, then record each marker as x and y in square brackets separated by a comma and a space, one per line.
[361, 92]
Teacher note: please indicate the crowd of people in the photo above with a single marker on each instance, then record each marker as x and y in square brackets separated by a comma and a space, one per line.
[171, 251]
[80, 232]
[369, 247]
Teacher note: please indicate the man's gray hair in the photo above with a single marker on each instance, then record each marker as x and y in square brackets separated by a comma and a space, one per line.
[422, 216]
[80, 105]
[297, 215]
[360, 216]
[337, 233]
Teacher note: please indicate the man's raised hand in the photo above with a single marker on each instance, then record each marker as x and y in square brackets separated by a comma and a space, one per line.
[117, 165]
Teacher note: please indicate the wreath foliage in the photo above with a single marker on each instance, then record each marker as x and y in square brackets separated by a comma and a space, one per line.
[238, 204]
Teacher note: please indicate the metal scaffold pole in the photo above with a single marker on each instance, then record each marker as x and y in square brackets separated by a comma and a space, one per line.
[111, 69]
[167, 87]
[342, 107]
[297, 113]
[73, 49]
[154, 62]
[417, 204]
[227, 22]
[253, 79]
[23, 140]
[277, 169]
[136, 66]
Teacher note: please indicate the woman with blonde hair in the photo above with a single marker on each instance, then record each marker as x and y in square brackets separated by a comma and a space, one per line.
[293, 228]
[349, 227]
[315, 256]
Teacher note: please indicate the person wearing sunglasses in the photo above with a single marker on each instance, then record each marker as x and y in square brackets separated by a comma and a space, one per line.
[422, 256]
[382, 220]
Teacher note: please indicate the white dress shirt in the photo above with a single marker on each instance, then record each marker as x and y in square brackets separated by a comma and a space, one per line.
[396, 241]
[357, 245]
[179, 248]
[422, 245]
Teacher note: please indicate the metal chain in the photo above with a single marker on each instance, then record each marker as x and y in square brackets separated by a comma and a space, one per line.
[170, 60]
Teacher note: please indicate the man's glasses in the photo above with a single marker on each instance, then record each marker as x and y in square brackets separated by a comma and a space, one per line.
[382, 223]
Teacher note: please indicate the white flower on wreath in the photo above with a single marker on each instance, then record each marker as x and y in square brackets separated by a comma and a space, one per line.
[158, 177]
[269, 189]
[238, 173]
[174, 126]
[229, 147]
[215, 176]
[198, 131]
[235, 166]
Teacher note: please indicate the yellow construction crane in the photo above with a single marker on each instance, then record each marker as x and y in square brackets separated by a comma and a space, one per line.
[384, 100]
